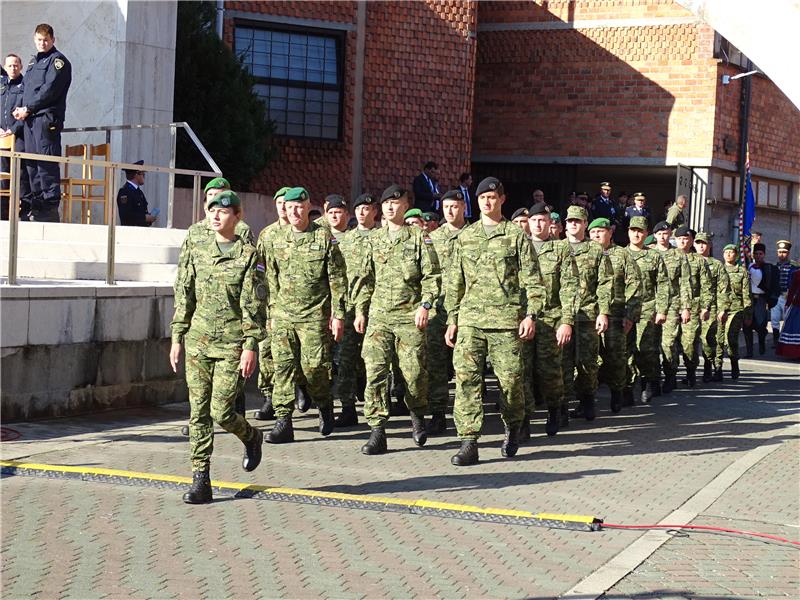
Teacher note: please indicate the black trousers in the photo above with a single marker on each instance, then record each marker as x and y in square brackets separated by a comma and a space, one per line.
[43, 136]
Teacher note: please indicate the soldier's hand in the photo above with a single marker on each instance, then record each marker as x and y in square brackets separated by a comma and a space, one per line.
[421, 318]
[247, 363]
[271, 324]
[564, 335]
[686, 316]
[601, 323]
[337, 329]
[174, 356]
[705, 314]
[661, 318]
[722, 316]
[360, 323]
[450, 335]
[527, 329]
[627, 325]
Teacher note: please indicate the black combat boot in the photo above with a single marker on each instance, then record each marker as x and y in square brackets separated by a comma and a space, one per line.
[564, 421]
[200, 492]
[627, 396]
[510, 442]
[717, 376]
[706, 371]
[266, 412]
[691, 376]
[524, 434]
[252, 451]
[239, 403]
[670, 382]
[418, 431]
[734, 368]
[616, 401]
[467, 454]
[648, 391]
[282, 432]
[762, 343]
[553, 422]
[302, 399]
[376, 443]
[326, 421]
[185, 430]
[587, 407]
[348, 418]
[438, 423]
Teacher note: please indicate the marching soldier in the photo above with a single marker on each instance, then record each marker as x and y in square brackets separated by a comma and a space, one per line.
[720, 291]
[740, 310]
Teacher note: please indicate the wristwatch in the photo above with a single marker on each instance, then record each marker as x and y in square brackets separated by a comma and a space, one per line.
[531, 316]
[426, 305]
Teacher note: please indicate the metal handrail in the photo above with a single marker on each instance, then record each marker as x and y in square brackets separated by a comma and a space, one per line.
[113, 172]
[173, 130]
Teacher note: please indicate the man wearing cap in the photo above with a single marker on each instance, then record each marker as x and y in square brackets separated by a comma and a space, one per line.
[639, 208]
[307, 290]
[218, 319]
[336, 214]
[720, 293]
[701, 298]
[520, 219]
[786, 268]
[603, 206]
[680, 302]
[561, 282]
[440, 362]
[396, 288]
[593, 307]
[131, 203]
[764, 291]
[493, 297]
[556, 227]
[676, 215]
[413, 217]
[625, 311]
[351, 374]
[431, 220]
[644, 341]
[740, 311]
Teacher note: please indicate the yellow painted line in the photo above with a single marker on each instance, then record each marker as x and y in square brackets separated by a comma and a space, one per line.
[375, 500]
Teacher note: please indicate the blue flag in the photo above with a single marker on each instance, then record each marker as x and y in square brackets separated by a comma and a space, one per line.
[747, 215]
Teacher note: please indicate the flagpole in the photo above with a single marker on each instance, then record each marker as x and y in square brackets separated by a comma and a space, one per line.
[744, 131]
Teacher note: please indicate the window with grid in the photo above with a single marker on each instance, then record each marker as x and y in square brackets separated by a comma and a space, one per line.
[298, 75]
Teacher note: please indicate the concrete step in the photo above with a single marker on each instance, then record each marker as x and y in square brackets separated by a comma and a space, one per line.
[93, 251]
[77, 232]
[58, 268]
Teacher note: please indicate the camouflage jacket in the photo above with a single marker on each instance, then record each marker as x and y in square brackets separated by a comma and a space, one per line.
[494, 280]
[262, 259]
[627, 299]
[217, 298]
[720, 286]
[702, 296]
[597, 280]
[655, 282]
[739, 279]
[397, 276]
[444, 241]
[561, 279]
[306, 275]
[354, 246]
[678, 272]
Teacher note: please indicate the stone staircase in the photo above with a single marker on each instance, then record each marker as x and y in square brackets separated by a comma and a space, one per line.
[67, 251]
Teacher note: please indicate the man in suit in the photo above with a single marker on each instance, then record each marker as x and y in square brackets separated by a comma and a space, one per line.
[471, 211]
[426, 188]
[764, 292]
[131, 203]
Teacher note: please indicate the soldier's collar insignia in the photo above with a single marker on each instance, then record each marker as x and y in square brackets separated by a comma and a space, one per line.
[58, 63]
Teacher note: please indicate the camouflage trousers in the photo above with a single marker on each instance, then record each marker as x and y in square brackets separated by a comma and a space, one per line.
[712, 351]
[690, 336]
[350, 370]
[613, 354]
[382, 344]
[670, 331]
[728, 336]
[504, 348]
[581, 356]
[214, 384]
[528, 381]
[643, 351]
[548, 380]
[266, 369]
[440, 357]
[301, 352]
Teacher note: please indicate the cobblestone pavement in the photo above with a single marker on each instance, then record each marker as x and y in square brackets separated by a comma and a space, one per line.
[75, 539]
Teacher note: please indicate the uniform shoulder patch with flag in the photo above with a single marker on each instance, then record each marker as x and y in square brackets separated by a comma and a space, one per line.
[334, 240]
[58, 63]
[427, 240]
[260, 267]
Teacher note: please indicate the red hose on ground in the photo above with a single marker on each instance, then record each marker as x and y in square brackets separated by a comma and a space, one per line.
[703, 528]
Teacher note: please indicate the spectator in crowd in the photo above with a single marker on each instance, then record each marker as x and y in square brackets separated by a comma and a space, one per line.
[11, 93]
[413, 216]
[47, 82]
[556, 226]
[131, 203]
[786, 269]
[426, 188]
[538, 196]
[603, 207]
[764, 292]
[620, 223]
[470, 201]
[639, 208]
[582, 200]
[789, 345]
[676, 216]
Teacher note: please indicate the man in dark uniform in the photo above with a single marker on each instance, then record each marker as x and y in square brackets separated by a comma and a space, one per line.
[11, 89]
[603, 207]
[47, 82]
[639, 209]
[131, 203]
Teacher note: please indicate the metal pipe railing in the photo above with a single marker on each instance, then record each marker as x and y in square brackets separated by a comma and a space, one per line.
[113, 169]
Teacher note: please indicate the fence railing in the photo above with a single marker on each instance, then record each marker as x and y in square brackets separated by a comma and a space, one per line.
[112, 169]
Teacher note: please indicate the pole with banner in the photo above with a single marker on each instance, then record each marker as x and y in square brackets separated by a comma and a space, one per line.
[747, 214]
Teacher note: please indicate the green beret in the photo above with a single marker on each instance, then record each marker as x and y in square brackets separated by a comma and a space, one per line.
[413, 212]
[296, 194]
[430, 216]
[218, 183]
[650, 239]
[225, 199]
[601, 223]
[638, 223]
[555, 217]
[577, 212]
[281, 192]
[702, 237]
[730, 247]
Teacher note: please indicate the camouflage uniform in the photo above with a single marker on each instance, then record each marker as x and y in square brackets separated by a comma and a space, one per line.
[644, 339]
[626, 303]
[740, 309]
[400, 272]
[307, 283]
[721, 290]
[492, 283]
[677, 267]
[597, 280]
[217, 299]
[444, 241]
[701, 297]
[266, 370]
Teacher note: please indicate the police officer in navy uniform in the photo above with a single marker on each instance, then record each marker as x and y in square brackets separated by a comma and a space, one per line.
[603, 207]
[11, 89]
[131, 203]
[47, 82]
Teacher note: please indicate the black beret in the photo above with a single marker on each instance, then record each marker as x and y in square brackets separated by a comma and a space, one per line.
[335, 201]
[540, 208]
[368, 199]
[453, 195]
[683, 230]
[661, 226]
[394, 191]
[520, 212]
[490, 184]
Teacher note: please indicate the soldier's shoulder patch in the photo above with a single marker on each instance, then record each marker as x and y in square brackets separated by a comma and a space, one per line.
[260, 267]
[58, 64]
[123, 199]
[427, 240]
[334, 240]
[261, 291]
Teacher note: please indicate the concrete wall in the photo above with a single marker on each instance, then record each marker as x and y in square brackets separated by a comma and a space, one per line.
[72, 349]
